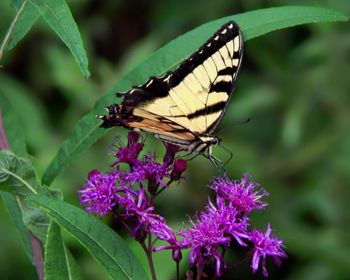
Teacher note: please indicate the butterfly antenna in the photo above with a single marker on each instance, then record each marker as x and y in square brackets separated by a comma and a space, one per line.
[236, 124]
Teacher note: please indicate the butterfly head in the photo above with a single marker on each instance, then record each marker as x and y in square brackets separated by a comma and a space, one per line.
[215, 141]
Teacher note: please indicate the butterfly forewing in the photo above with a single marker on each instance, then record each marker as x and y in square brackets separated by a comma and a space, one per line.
[187, 104]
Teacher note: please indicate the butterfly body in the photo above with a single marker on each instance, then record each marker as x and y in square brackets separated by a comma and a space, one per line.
[184, 107]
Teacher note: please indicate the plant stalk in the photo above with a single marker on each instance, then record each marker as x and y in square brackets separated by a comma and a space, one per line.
[148, 251]
[199, 273]
[177, 270]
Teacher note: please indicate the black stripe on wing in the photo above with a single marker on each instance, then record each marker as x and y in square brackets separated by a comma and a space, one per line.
[222, 86]
[227, 71]
[214, 43]
[154, 88]
[217, 107]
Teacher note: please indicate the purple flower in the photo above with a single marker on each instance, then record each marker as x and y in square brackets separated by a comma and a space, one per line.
[171, 150]
[266, 245]
[159, 228]
[139, 209]
[244, 194]
[133, 137]
[216, 227]
[98, 194]
[136, 208]
[165, 233]
[179, 167]
[130, 153]
[152, 171]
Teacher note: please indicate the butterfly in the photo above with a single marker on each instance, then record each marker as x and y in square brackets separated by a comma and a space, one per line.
[184, 107]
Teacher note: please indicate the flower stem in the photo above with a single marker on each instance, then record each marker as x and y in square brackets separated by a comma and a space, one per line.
[199, 272]
[177, 270]
[148, 251]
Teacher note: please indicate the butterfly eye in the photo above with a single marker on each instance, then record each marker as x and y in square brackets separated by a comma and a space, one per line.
[215, 141]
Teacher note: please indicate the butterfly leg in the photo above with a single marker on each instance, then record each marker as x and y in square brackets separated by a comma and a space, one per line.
[189, 154]
[214, 160]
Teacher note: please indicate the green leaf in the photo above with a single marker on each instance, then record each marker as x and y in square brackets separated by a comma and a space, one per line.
[74, 270]
[260, 22]
[13, 130]
[103, 244]
[18, 177]
[26, 15]
[17, 174]
[36, 221]
[58, 15]
[253, 24]
[85, 133]
[15, 213]
[58, 262]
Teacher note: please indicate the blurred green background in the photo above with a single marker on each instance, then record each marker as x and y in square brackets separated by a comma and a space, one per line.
[294, 85]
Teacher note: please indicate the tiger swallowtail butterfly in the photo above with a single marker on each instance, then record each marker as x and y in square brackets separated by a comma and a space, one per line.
[184, 107]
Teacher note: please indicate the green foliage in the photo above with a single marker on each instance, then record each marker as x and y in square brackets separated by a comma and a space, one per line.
[57, 14]
[85, 133]
[15, 213]
[102, 242]
[260, 22]
[17, 175]
[27, 15]
[58, 263]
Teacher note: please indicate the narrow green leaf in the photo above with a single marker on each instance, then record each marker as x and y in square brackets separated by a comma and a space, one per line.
[58, 15]
[57, 261]
[27, 16]
[13, 130]
[17, 174]
[103, 244]
[253, 24]
[73, 267]
[85, 133]
[15, 213]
